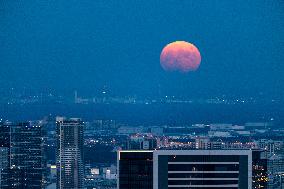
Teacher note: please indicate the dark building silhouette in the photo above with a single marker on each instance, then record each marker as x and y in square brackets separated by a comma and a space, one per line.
[202, 169]
[162, 169]
[4, 155]
[4, 135]
[69, 157]
[4, 167]
[25, 155]
[135, 170]
[259, 170]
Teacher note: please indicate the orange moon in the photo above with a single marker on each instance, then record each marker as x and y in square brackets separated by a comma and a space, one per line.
[180, 56]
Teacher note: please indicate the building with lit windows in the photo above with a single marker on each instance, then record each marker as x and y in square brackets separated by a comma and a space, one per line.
[69, 155]
[22, 155]
[4, 167]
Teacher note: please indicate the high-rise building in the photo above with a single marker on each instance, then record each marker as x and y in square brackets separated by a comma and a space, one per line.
[21, 155]
[4, 167]
[69, 157]
[275, 165]
[259, 170]
[185, 169]
[202, 169]
[278, 181]
[26, 156]
[271, 147]
[4, 155]
[4, 135]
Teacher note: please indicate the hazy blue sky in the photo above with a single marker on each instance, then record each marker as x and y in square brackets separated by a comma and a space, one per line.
[68, 44]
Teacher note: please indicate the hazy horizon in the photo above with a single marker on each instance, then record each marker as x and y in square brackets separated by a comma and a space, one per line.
[75, 45]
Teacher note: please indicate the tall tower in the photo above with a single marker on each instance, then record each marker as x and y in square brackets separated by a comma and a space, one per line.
[69, 156]
[4, 167]
[75, 97]
[26, 155]
[4, 156]
[21, 151]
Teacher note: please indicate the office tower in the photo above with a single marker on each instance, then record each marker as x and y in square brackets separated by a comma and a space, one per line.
[278, 181]
[202, 169]
[271, 147]
[4, 135]
[185, 169]
[259, 169]
[26, 156]
[75, 97]
[21, 155]
[135, 170]
[69, 157]
[4, 165]
[275, 169]
[4, 155]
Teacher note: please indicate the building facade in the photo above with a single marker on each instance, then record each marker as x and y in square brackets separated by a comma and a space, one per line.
[275, 170]
[4, 167]
[259, 170]
[26, 156]
[202, 169]
[22, 156]
[170, 169]
[135, 170]
[4, 155]
[69, 155]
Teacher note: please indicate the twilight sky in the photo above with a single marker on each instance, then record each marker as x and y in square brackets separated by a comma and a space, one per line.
[66, 45]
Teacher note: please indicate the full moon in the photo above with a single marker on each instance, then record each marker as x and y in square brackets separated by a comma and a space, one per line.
[180, 56]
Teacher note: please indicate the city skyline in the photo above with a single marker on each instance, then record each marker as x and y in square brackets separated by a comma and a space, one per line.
[87, 151]
[125, 94]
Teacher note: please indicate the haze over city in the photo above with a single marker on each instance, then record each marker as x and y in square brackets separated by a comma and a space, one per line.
[70, 45]
[148, 94]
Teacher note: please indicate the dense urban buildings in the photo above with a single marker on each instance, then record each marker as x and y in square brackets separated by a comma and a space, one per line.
[141, 94]
[90, 159]
[70, 157]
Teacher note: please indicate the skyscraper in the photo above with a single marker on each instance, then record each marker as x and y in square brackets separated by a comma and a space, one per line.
[69, 157]
[202, 169]
[21, 155]
[259, 169]
[4, 167]
[4, 155]
[26, 159]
